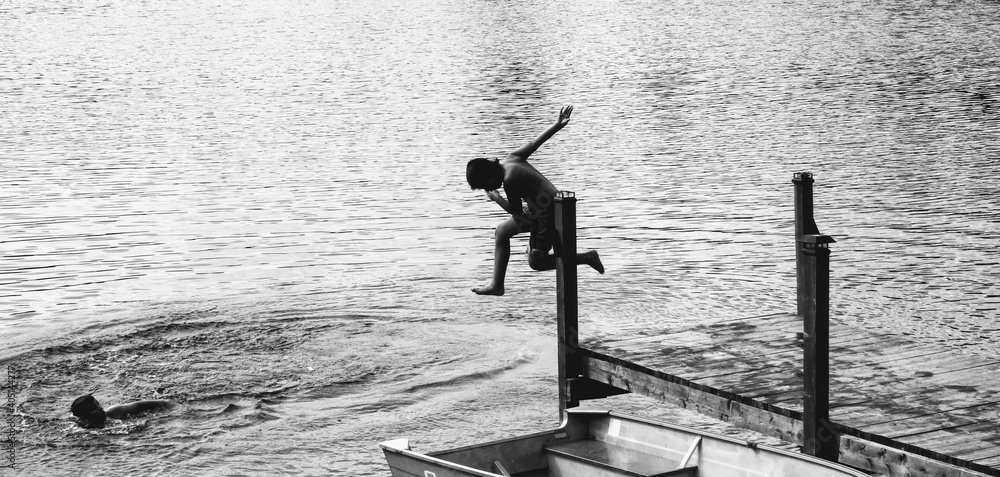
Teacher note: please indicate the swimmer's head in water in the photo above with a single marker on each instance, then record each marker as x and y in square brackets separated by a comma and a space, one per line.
[89, 410]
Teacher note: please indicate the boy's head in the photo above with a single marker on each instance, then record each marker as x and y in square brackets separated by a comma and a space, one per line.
[88, 409]
[486, 174]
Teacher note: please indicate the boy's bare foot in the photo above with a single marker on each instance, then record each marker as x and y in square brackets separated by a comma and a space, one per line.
[591, 258]
[489, 290]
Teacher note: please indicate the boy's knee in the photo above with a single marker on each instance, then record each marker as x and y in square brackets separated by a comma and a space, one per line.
[503, 233]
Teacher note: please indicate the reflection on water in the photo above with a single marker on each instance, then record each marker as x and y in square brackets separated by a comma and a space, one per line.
[205, 200]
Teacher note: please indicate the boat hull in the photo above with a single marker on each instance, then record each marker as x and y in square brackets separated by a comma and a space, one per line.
[601, 443]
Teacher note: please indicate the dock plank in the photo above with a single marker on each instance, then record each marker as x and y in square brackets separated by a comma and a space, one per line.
[993, 462]
[903, 428]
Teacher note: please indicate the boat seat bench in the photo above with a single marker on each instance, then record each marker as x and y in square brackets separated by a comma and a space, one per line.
[616, 460]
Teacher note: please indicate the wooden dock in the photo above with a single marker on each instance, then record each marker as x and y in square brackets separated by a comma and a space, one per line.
[917, 398]
[873, 401]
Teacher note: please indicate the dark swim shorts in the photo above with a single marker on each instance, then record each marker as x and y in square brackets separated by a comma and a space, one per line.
[543, 232]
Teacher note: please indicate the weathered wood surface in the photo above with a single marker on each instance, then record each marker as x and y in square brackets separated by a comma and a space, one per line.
[944, 401]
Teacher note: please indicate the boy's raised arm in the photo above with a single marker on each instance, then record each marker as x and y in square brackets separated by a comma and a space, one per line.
[526, 150]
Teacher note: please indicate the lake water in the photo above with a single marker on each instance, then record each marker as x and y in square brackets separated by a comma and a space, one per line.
[257, 209]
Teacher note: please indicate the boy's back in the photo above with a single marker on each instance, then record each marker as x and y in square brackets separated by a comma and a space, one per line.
[523, 181]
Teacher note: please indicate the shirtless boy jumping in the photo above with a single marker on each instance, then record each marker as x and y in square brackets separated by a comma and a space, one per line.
[521, 181]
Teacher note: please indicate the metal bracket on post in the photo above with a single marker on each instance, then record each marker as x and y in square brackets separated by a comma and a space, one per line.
[581, 389]
[566, 293]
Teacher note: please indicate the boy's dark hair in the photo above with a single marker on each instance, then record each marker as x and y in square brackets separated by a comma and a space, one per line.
[89, 411]
[481, 171]
[82, 405]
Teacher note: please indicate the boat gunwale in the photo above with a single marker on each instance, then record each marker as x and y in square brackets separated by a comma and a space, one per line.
[434, 460]
[563, 427]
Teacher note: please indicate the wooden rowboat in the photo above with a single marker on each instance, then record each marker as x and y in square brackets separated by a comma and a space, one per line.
[606, 444]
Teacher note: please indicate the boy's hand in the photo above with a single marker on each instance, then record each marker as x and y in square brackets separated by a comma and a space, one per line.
[528, 149]
[564, 114]
[493, 195]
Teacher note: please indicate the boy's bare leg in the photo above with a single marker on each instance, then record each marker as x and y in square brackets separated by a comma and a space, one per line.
[501, 255]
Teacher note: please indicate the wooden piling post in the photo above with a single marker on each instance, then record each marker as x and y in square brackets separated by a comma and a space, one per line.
[812, 257]
[804, 225]
[819, 437]
[566, 291]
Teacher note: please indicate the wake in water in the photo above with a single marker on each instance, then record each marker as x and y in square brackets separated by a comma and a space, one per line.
[239, 380]
[222, 372]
